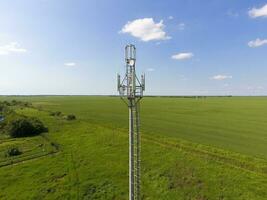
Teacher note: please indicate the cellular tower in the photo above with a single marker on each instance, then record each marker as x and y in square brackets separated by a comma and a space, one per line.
[131, 92]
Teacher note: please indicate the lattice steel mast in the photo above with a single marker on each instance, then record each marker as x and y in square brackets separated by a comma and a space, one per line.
[131, 91]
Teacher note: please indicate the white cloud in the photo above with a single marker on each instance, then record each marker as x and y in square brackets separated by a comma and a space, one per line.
[182, 56]
[181, 26]
[150, 69]
[12, 47]
[258, 12]
[170, 17]
[146, 29]
[221, 77]
[70, 64]
[257, 43]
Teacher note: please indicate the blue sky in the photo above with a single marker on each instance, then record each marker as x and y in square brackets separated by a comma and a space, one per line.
[185, 47]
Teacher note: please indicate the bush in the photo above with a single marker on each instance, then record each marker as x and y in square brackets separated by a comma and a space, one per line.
[24, 127]
[16, 103]
[14, 151]
[71, 117]
[6, 103]
[2, 107]
[57, 113]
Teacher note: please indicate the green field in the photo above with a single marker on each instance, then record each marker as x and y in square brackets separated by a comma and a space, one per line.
[192, 148]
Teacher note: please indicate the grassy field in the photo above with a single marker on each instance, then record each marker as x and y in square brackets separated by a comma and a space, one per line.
[204, 148]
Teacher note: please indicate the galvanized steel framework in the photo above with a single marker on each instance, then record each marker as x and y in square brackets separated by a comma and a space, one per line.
[131, 92]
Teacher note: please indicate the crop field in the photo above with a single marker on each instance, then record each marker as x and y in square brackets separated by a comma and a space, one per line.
[192, 148]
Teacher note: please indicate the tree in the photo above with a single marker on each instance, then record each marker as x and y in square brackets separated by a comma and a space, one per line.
[71, 117]
[25, 127]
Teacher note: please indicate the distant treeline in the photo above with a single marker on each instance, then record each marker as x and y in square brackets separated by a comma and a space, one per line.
[189, 96]
[177, 96]
[167, 96]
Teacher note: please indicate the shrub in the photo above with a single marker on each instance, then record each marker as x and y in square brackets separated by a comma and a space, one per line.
[14, 151]
[57, 113]
[2, 107]
[24, 127]
[14, 102]
[6, 103]
[71, 117]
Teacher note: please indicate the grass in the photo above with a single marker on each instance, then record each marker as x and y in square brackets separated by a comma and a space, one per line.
[208, 148]
[31, 147]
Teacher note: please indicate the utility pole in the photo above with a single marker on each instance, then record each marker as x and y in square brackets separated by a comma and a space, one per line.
[131, 92]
